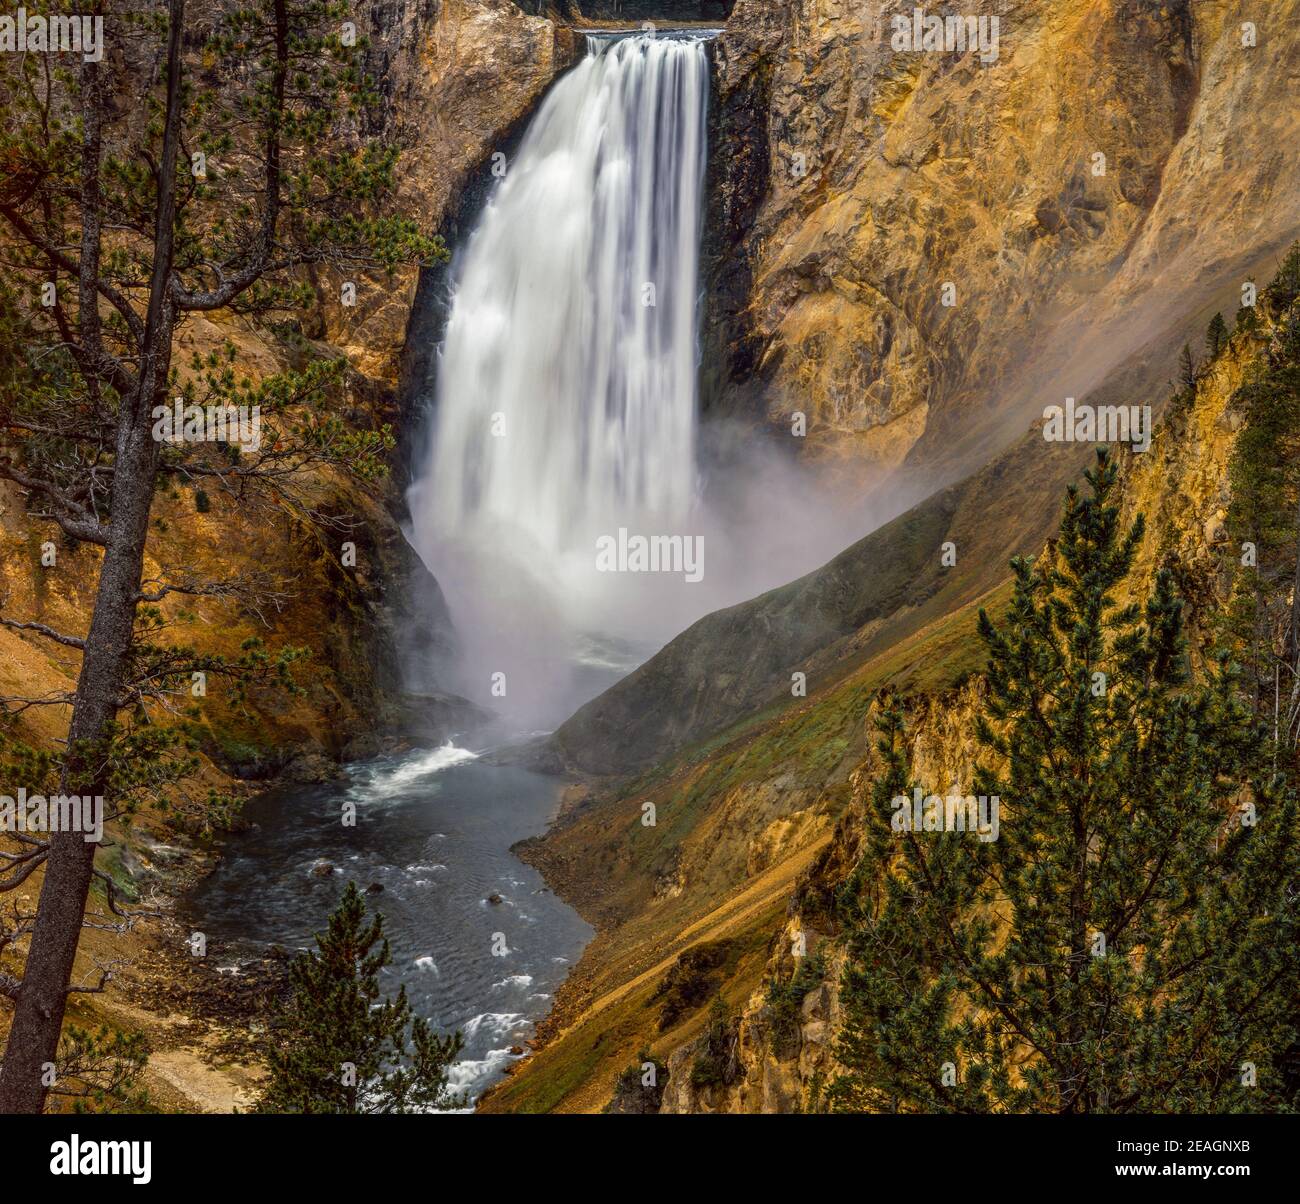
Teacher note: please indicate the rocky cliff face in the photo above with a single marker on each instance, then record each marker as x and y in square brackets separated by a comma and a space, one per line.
[654, 10]
[1119, 164]
[755, 827]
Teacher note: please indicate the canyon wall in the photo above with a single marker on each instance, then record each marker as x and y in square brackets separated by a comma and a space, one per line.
[755, 828]
[654, 10]
[850, 182]
[1117, 167]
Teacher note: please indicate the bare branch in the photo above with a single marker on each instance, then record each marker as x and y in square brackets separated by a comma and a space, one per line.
[70, 641]
[72, 517]
[27, 865]
[256, 592]
[110, 897]
[105, 977]
[66, 699]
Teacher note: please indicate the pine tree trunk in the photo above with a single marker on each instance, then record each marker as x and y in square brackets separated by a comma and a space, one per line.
[38, 1012]
[39, 1007]
[1292, 649]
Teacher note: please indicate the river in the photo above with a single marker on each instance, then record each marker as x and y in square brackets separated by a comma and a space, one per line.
[434, 829]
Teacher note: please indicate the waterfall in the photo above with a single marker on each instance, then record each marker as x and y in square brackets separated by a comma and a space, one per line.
[565, 399]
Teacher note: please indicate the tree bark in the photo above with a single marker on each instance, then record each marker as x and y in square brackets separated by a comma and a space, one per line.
[1292, 649]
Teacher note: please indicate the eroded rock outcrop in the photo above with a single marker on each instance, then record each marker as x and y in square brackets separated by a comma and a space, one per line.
[1118, 166]
[457, 76]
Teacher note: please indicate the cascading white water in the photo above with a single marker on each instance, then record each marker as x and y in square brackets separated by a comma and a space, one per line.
[566, 386]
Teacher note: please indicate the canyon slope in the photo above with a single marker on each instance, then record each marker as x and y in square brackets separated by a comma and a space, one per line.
[731, 891]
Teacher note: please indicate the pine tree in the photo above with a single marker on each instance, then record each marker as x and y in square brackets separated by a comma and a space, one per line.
[99, 1071]
[1216, 335]
[1261, 622]
[1187, 368]
[1265, 479]
[336, 1047]
[1127, 942]
[1284, 288]
[233, 180]
[715, 1063]
[639, 1088]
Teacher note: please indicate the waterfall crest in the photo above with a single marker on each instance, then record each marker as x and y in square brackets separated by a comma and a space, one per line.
[566, 385]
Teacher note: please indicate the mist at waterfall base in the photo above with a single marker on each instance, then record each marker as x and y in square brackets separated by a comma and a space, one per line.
[565, 402]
